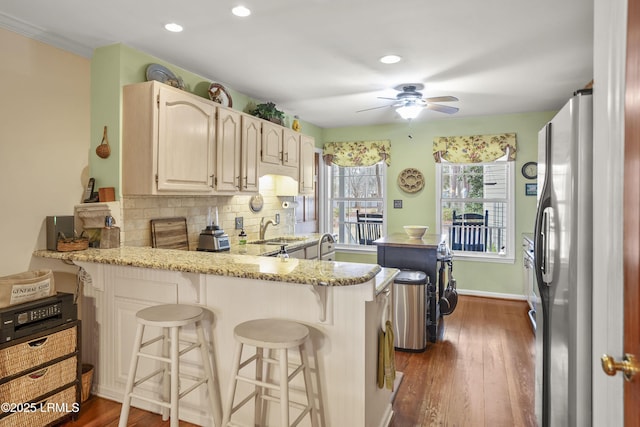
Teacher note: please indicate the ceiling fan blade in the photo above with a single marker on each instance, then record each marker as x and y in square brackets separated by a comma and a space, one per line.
[441, 99]
[374, 108]
[442, 108]
[382, 97]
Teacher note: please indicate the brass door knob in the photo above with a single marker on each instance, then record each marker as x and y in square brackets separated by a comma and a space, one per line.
[629, 366]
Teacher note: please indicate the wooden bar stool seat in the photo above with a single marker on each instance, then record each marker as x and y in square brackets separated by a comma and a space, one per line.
[279, 336]
[171, 317]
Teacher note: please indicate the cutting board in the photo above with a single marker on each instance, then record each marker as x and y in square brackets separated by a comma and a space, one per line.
[169, 233]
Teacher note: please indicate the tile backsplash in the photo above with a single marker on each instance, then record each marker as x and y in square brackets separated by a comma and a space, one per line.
[137, 211]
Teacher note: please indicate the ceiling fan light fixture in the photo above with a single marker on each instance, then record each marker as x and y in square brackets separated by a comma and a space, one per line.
[409, 111]
[173, 27]
[390, 59]
[241, 11]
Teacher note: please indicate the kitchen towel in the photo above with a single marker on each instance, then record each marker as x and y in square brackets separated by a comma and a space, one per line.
[386, 357]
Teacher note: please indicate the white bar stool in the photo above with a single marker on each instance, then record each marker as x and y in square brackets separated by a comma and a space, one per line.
[170, 317]
[271, 334]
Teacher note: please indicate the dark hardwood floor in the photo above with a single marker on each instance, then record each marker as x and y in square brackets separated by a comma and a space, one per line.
[480, 374]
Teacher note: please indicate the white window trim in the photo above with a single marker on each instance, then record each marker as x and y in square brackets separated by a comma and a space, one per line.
[510, 254]
[325, 217]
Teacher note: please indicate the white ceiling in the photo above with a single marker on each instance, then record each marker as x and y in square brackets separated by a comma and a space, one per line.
[319, 58]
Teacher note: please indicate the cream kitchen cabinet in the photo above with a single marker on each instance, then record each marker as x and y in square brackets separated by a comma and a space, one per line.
[251, 139]
[168, 141]
[238, 148]
[306, 168]
[229, 135]
[280, 150]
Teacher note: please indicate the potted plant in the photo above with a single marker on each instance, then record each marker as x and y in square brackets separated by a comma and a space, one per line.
[268, 111]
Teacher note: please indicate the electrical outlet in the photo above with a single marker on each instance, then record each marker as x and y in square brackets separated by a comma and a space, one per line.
[277, 218]
[239, 223]
[397, 204]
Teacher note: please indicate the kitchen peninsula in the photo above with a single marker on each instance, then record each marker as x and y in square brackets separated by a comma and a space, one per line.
[343, 304]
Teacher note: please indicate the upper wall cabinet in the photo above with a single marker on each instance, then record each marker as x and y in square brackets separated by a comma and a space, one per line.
[307, 165]
[251, 140]
[229, 134]
[280, 150]
[238, 145]
[290, 148]
[168, 141]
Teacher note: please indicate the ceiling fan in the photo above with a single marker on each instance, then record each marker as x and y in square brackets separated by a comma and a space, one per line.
[409, 102]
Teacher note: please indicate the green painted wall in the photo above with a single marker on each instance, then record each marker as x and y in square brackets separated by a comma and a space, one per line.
[419, 208]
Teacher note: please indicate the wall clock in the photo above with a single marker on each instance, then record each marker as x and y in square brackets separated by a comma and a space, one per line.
[530, 170]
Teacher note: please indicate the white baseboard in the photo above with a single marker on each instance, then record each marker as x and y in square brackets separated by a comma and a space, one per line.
[485, 294]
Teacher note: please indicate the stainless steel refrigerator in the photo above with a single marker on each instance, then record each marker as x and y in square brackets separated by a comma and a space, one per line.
[563, 260]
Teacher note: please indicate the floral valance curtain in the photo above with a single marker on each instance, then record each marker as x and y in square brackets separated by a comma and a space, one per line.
[474, 148]
[357, 153]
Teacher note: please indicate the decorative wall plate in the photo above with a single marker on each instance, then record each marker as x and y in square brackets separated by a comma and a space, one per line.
[256, 202]
[411, 180]
[218, 93]
[164, 75]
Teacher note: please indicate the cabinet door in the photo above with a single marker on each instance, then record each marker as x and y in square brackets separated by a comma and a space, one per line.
[290, 148]
[271, 143]
[307, 164]
[250, 153]
[186, 138]
[228, 150]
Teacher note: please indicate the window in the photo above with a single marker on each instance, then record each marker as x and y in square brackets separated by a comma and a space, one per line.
[356, 203]
[475, 208]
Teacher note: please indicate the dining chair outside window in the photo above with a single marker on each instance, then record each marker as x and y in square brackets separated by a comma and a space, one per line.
[369, 227]
[469, 231]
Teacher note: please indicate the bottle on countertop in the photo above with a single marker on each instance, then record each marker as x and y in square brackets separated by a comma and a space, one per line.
[283, 255]
[242, 241]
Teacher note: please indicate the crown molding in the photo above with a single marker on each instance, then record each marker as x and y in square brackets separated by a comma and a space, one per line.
[37, 33]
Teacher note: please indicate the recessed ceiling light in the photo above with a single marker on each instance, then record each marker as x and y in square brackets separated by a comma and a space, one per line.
[390, 59]
[241, 11]
[173, 27]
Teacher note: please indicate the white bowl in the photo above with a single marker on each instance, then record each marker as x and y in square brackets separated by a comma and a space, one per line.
[415, 231]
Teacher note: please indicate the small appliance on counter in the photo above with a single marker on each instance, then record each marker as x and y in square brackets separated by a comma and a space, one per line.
[213, 238]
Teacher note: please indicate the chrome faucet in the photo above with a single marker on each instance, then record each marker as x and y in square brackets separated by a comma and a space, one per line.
[326, 236]
[264, 225]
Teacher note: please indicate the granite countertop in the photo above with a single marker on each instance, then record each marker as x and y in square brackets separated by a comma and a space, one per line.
[402, 239]
[237, 263]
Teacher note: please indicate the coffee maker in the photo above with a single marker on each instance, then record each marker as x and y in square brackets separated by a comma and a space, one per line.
[213, 238]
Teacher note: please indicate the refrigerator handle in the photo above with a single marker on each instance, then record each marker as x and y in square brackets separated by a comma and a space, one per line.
[544, 216]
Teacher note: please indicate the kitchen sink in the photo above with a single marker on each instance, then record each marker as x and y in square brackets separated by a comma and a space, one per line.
[284, 240]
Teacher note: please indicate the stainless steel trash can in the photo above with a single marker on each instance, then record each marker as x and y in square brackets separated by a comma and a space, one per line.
[410, 304]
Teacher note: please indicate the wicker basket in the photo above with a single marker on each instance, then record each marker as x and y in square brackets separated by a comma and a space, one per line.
[65, 399]
[77, 244]
[87, 380]
[20, 357]
[30, 386]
